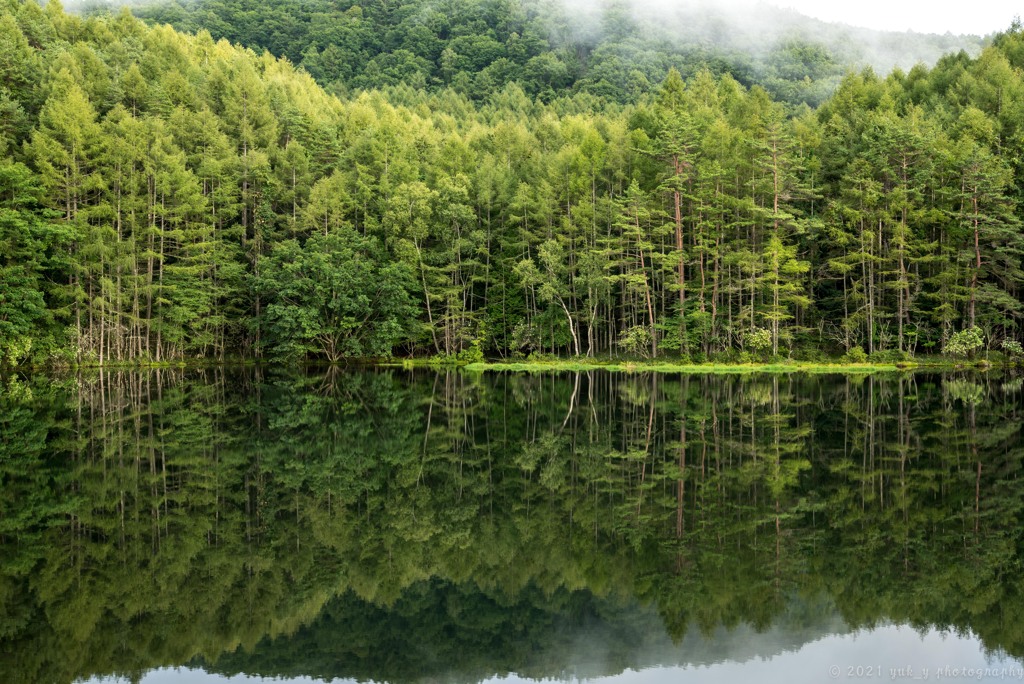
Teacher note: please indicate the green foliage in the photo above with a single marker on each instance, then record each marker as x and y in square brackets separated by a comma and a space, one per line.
[856, 355]
[478, 47]
[333, 297]
[965, 342]
[166, 196]
[636, 341]
[29, 244]
[1012, 348]
[758, 339]
[472, 354]
[525, 338]
[889, 356]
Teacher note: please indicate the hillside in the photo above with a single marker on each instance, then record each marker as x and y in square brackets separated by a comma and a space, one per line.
[617, 50]
[167, 197]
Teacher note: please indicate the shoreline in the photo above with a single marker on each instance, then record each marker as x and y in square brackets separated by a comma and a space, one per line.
[575, 365]
[558, 365]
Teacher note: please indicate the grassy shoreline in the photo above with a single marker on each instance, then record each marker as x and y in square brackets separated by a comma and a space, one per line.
[578, 365]
[567, 365]
[689, 368]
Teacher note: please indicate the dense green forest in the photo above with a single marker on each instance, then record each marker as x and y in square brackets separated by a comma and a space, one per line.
[417, 524]
[614, 50]
[168, 196]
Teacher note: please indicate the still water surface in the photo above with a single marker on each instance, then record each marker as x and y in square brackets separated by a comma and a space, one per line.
[224, 526]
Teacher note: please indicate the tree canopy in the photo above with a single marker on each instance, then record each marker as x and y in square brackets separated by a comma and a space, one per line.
[614, 50]
[171, 196]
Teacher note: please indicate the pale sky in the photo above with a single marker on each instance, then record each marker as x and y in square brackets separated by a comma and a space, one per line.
[926, 16]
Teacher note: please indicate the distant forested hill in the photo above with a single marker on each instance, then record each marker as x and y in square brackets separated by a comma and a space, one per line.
[613, 49]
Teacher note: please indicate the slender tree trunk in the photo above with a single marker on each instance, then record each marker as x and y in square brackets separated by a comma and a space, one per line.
[572, 328]
[677, 201]
[426, 297]
[160, 285]
[977, 259]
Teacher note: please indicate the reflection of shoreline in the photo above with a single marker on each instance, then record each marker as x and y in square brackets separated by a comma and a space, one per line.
[154, 519]
[590, 638]
[608, 639]
[603, 652]
[669, 367]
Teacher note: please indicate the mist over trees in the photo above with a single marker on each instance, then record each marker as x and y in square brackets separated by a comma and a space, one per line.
[169, 196]
[617, 50]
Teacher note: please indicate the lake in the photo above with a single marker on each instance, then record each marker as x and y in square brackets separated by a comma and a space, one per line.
[229, 525]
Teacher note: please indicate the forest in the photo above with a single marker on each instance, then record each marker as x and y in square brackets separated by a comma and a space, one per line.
[613, 49]
[169, 196]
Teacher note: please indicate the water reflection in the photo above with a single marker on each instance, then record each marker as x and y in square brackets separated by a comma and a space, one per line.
[401, 526]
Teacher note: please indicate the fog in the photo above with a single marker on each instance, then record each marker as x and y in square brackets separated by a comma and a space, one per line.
[747, 35]
[919, 16]
[925, 16]
[756, 28]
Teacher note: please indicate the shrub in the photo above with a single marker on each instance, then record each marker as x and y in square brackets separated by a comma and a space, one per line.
[636, 341]
[811, 355]
[856, 355]
[724, 356]
[890, 356]
[1012, 348]
[965, 342]
[524, 339]
[471, 354]
[758, 340]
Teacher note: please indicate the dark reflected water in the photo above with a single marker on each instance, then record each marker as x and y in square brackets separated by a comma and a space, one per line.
[411, 526]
